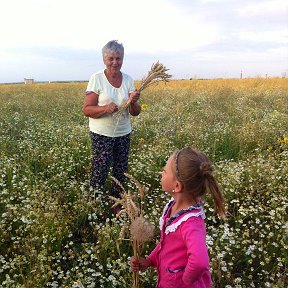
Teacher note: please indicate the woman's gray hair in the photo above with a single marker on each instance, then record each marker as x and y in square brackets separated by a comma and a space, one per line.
[113, 46]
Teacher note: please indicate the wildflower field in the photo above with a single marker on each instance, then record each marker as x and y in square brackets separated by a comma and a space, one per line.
[57, 232]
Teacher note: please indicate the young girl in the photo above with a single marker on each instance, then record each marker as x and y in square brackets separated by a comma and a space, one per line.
[181, 256]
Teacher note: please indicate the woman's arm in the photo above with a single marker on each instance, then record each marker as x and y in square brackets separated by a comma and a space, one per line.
[93, 110]
[134, 107]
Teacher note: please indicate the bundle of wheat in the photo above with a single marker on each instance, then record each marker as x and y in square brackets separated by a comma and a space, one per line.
[138, 228]
[157, 73]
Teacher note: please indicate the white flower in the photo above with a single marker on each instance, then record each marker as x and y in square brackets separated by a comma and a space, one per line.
[224, 269]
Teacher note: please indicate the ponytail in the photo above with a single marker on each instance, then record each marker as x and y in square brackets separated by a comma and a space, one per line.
[212, 186]
[194, 169]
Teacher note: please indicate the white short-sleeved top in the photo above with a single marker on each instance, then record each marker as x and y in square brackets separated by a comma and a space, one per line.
[108, 125]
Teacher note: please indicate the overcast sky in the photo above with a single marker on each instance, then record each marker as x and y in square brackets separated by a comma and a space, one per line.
[59, 40]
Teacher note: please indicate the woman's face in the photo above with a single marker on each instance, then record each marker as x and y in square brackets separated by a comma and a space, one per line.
[113, 61]
[168, 178]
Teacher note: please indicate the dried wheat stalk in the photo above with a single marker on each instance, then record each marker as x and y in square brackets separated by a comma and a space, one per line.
[140, 229]
[157, 73]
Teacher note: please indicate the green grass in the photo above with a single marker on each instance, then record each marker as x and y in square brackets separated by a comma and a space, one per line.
[55, 232]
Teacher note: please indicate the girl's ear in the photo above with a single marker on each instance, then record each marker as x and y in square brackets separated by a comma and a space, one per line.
[178, 187]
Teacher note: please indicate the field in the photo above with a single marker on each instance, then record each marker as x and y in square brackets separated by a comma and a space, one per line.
[57, 232]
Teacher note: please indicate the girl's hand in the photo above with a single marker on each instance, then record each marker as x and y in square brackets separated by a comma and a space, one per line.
[137, 264]
[134, 96]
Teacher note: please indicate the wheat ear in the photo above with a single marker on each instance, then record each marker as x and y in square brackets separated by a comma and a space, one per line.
[140, 229]
[157, 73]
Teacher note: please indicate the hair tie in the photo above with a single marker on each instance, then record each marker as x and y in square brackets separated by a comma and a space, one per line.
[205, 169]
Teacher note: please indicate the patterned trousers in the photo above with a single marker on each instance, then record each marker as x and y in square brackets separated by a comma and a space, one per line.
[109, 152]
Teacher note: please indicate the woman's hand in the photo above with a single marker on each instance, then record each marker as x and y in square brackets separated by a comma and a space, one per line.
[111, 108]
[137, 264]
[134, 96]
[93, 110]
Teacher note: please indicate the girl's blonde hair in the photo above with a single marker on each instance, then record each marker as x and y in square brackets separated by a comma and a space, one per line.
[194, 170]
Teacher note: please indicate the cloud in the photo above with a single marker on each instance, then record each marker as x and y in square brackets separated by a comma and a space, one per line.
[52, 39]
[144, 25]
[264, 8]
[275, 37]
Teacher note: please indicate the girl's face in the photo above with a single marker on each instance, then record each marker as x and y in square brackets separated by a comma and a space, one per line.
[113, 61]
[168, 179]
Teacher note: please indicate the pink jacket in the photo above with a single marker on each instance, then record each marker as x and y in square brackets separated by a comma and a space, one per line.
[181, 256]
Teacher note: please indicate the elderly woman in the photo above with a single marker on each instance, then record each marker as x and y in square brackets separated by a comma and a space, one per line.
[110, 135]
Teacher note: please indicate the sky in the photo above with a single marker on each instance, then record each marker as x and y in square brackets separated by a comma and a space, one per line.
[61, 40]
